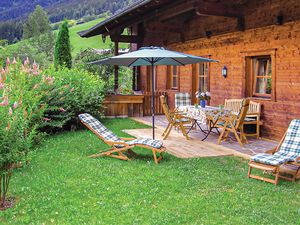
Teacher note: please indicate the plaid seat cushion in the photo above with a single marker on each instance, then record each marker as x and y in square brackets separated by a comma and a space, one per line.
[182, 99]
[110, 136]
[99, 127]
[249, 119]
[289, 149]
[146, 141]
[182, 120]
[269, 159]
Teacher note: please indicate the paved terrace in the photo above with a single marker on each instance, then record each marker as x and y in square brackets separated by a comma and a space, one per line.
[180, 147]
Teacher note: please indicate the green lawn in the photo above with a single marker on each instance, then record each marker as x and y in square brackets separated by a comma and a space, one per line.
[63, 186]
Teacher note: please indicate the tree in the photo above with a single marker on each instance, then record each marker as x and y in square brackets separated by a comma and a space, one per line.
[62, 54]
[37, 30]
[37, 23]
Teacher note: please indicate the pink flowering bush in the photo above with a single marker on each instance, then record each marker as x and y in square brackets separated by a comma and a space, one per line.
[21, 112]
[33, 100]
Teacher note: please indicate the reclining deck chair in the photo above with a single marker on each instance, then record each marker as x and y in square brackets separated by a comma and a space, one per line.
[175, 119]
[287, 152]
[120, 145]
[234, 124]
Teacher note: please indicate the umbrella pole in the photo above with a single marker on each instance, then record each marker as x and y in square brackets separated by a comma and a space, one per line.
[153, 99]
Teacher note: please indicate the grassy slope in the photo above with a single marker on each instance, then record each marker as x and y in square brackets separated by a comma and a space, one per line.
[63, 186]
[79, 43]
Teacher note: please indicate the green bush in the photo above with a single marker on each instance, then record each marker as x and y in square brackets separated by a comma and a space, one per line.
[74, 91]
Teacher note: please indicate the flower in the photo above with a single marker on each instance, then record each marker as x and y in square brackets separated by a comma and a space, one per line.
[1, 85]
[15, 105]
[26, 62]
[7, 61]
[46, 119]
[3, 71]
[10, 111]
[62, 109]
[14, 61]
[203, 95]
[5, 101]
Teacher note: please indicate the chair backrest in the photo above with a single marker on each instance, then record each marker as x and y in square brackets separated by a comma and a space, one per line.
[182, 99]
[236, 104]
[242, 112]
[98, 128]
[254, 108]
[291, 142]
[165, 107]
[233, 104]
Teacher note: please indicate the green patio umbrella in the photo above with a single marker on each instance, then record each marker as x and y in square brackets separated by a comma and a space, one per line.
[153, 56]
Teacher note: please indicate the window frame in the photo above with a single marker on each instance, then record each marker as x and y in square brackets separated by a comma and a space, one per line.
[255, 76]
[247, 56]
[176, 76]
[206, 74]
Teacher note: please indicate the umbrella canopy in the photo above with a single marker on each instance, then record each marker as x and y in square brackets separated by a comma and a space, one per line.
[153, 56]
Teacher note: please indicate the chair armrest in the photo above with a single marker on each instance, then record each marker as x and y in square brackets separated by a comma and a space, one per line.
[271, 151]
[127, 139]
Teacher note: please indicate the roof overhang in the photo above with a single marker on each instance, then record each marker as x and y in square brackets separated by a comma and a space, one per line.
[122, 18]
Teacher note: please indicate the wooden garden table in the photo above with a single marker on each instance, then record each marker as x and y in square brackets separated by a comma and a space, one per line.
[209, 116]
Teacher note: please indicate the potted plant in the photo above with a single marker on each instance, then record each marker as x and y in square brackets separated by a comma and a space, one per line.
[203, 97]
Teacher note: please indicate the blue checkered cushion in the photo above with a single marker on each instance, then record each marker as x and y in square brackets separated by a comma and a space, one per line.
[182, 120]
[110, 136]
[182, 99]
[146, 141]
[99, 127]
[289, 149]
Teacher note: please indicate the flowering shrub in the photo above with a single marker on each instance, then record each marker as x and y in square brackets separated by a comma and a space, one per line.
[32, 100]
[21, 111]
[74, 91]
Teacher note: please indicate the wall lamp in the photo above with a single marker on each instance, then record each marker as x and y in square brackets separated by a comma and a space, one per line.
[224, 71]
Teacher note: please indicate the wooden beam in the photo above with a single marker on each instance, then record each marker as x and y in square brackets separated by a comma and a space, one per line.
[116, 71]
[126, 38]
[218, 9]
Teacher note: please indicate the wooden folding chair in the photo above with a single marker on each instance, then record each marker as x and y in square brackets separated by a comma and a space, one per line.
[118, 146]
[286, 153]
[175, 119]
[234, 124]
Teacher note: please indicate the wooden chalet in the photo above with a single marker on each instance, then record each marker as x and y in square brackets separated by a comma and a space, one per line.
[256, 41]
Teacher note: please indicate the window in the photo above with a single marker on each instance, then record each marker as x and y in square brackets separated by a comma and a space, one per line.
[262, 77]
[203, 71]
[260, 74]
[174, 77]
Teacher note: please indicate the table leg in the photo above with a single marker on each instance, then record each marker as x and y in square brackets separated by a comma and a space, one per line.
[212, 125]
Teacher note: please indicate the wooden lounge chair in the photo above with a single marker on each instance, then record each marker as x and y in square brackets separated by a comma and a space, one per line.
[252, 116]
[175, 119]
[120, 145]
[287, 152]
[234, 124]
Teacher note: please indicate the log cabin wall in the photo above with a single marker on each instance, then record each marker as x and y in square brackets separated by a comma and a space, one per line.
[231, 47]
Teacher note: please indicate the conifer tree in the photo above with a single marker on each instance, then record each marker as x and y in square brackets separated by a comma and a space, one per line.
[62, 53]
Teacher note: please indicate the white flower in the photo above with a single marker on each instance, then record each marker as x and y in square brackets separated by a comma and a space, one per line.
[202, 94]
[207, 93]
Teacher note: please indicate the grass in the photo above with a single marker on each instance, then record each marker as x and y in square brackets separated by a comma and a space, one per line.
[63, 186]
[78, 43]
